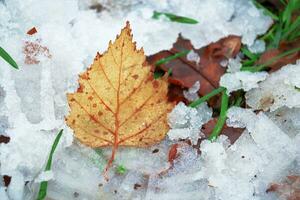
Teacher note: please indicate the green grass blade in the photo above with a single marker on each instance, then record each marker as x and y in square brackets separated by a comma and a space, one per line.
[121, 169]
[44, 185]
[293, 27]
[277, 36]
[249, 54]
[222, 118]
[8, 58]
[199, 101]
[283, 2]
[158, 74]
[266, 11]
[169, 58]
[174, 18]
[263, 66]
[292, 6]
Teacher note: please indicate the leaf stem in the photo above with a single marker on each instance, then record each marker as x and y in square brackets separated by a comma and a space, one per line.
[206, 97]
[221, 120]
[44, 185]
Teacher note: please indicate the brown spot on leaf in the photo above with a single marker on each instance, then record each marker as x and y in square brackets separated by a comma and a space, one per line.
[135, 76]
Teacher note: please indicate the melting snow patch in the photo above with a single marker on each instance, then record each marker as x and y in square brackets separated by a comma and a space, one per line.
[44, 176]
[193, 57]
[234, 64]
[242, 80]
[192, 93]
[186, 122]
[281, 88]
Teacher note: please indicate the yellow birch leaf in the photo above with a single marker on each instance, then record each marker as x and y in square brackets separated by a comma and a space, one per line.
[118, 103]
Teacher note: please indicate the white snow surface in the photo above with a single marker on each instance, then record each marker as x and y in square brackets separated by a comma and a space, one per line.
[280, 89]
[33, 105]
[186, 122]
[242, 80]
[192, 93]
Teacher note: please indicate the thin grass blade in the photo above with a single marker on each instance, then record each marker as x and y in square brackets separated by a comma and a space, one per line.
[44, 185]
[8, 58]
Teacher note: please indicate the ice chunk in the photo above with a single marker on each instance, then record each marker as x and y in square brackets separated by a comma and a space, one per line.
[279, 89]
[143, 159]
[287, 119]
[192, 93]
[16, 187]
[236, 120]
[224, 63]
[242, 80]
[44, 176]
[193, 57]
[234, 64]
[258, 46]
[77, 173]
[3, 194]
[186, 122]
[180, 179]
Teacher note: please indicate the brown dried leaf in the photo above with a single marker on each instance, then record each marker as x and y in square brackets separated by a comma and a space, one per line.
[269, 54]
[208, 72]
[118, 102]
[232, 133]
[289, 189]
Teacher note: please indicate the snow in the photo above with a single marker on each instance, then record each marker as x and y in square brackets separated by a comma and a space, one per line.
[234, 64]
[186, 122]
[193, 57]
[258, 46]
[44, 176]
[192, 93]
[3, 195]
[33, 105]
[278, 90]
[242, 80]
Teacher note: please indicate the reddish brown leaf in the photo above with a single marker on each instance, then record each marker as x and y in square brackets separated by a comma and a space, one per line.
[32, 31]
[269, 54]
[208, 72]
[289, 189]
[172, 153]
[232, 133]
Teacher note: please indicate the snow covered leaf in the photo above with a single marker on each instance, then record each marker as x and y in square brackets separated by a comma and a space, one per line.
[118, 102]
[208, 70]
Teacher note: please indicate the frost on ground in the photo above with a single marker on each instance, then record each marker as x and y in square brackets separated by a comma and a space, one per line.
[33, 105]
